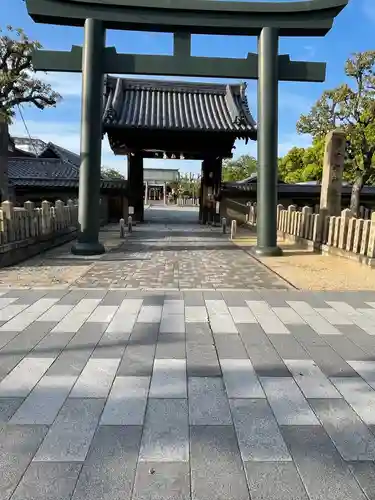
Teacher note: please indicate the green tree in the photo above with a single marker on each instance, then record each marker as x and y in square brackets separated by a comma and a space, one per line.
[18, 84]
[352, 109]
[111, 173]
[239, 169]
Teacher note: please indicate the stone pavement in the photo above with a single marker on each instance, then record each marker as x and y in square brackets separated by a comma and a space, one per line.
[169, 251]
[109, 395]
[252, 391]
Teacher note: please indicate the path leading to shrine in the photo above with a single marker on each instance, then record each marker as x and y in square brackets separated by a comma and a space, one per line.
[170, 251]
[234, 393]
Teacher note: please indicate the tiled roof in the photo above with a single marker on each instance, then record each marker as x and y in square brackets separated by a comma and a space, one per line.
[48, 172]
[62, 153]
[154, 104]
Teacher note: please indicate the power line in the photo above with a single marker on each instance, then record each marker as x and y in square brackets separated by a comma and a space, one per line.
[27, 130]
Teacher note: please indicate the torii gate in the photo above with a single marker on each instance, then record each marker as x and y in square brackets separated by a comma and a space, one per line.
[267, 21]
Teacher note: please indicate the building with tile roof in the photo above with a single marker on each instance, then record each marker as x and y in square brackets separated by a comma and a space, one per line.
[181, 119]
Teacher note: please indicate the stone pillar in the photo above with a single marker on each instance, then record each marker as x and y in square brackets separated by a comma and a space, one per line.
[164, 193]
[91, 140]
[333, 166]
[135, 185]
[4, 143]
[146, 193]
[201, 197]
[267, 143]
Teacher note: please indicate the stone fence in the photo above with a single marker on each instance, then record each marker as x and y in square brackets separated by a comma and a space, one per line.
[345, 235]
[26, 231]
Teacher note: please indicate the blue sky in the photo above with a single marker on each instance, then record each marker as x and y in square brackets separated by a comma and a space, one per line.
[353, 32]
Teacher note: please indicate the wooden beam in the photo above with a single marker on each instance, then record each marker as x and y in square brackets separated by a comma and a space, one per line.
[179, 65]
[313, 18]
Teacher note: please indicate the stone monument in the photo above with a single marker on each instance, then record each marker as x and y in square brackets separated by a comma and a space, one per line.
[333, 166]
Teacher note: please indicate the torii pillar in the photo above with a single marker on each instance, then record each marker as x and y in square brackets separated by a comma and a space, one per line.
[267, 143]
[91, 140]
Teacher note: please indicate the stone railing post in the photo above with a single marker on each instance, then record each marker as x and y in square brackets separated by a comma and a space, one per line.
[371, 243]
[291, 211]
[8, 211]
[365, 237]
[29, 206]
[346, 215]
[46, 217]
[358, 235]
[306, 221]
[60, 212]
[280, 208]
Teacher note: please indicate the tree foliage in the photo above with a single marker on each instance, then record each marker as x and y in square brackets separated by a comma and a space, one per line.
[111, 173]
[303, 164]
[239, 169]
[350, 107]
[18, 84]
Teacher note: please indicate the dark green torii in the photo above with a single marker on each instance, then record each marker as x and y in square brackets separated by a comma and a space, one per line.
[268, 21]
[180, 64]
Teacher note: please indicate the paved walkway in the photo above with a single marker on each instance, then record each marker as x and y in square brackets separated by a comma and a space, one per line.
[114, 394]
[169, 251]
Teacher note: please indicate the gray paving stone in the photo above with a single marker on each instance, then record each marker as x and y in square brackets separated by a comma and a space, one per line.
[240, 379]
[288, 347]
[331, 364]
[196, 314]
[258, 434]
[262, 354]
[28, 296]
[18, 444]
[230, 347]
[56, 313]
[288, 316]
[24, 377]
[76, 354]
[113, 298]
[208, 402]
[51, 345]
[144, 334]
[364, 473]
[154, 300]
[8, 406]
[46, 481]
[359, 337]
[267, 319]
[324, 474]
[202, 360]
[70, 436]
[169, 379]
[170, 346]
[73, 297]
[169, 481]
[193, 298]
[108, 473]
[346, 348]
[287, 402]
[276, 481]
[126, 403]
[233, 299]
[138, 361]
[199, 332]
[95, 294]
[350, 435]
[366, 369]
[96, 379]
[28, 338]
[311, 380]
[306, 335]
[45, 400]
[359, 395]
[166, 431]
[216, 468]
[149, 314]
